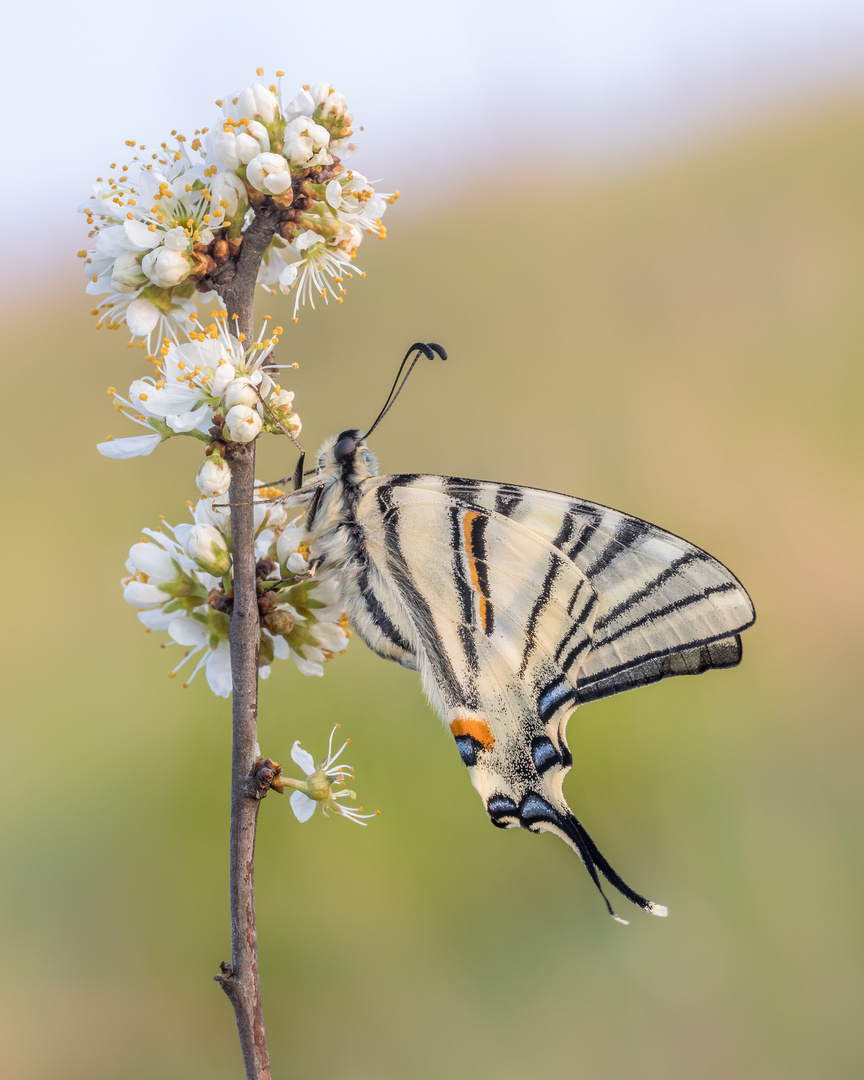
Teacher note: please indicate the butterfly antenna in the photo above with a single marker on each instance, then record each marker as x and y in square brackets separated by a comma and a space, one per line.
[428, 349]
[586, 846]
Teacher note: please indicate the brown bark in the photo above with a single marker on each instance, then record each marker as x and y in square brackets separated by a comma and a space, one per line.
[239, 979]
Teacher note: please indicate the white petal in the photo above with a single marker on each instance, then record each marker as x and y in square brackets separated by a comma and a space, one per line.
[141, 317]
[306, 667]
[157, 618]
[139, 236]
[187, 631]
[154, 561]
[302, 105]
[302, 758]
[139, 594]
[281, 648]
[333, 194]
[136, 446]
[302, 805]
[200, 419]
[219, 670]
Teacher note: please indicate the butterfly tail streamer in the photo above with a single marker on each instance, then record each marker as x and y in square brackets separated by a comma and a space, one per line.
[594, 861]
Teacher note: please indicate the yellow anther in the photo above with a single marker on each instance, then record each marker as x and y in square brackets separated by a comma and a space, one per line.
[280, 74]
[111, 390]
[259, 71]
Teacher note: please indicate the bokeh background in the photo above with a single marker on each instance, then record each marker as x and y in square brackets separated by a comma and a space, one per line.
[639, 231]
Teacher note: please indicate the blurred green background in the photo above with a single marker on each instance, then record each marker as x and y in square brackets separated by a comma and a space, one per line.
[683, 342]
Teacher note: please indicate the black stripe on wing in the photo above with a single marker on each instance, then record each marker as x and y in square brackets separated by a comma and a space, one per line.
[377, 613]
[451, 690]
[556, 564]
[693, 661]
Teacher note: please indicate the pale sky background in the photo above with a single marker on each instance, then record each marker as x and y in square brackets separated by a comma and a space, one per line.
[442, 89]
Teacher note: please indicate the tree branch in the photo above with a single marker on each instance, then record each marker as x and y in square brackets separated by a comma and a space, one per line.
[239, 979]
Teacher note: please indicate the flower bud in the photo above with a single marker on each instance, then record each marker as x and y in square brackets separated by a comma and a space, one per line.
[240, 392]
[242, 424]
[214, 476]
[127, 275]
[222, 145]
[165, 267]
[255, 100]
[228, 188]
[279, 621]
[208, 547]
[251, 140]
[270, 173]
[224, 373]
[302, 138]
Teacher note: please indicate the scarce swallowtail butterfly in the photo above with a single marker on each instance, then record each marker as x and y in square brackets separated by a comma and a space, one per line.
[515, 605]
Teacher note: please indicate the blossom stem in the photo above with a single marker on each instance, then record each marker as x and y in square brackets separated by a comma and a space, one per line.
[240, 980]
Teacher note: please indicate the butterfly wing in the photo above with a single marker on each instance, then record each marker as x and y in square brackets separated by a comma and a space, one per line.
[516, 605]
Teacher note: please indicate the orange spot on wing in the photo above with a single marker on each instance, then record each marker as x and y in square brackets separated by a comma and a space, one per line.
[477, 729]
[467, 524]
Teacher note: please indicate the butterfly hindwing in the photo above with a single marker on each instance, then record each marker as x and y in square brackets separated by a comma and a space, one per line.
[516, 605]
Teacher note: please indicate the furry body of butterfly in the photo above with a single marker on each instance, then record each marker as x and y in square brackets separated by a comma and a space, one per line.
[515, 605]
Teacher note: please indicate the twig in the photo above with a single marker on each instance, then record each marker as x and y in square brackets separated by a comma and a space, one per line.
[239, 979]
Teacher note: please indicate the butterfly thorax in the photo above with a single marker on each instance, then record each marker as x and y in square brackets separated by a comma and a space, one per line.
[344, 462]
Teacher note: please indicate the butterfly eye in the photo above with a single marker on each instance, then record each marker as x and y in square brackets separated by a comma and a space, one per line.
[345, 448]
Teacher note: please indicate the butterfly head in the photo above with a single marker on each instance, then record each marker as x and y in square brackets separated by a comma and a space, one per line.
[347, 457]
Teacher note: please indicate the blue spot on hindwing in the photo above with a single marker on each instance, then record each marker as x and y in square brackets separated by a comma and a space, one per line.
[543, 754]
[501, 806]
[467, 748]
[553, 696]
[533, 808]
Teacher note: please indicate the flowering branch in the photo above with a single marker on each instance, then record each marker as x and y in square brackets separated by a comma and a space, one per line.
[268, 202]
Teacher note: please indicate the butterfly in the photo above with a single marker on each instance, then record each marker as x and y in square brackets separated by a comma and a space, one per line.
[516, 605]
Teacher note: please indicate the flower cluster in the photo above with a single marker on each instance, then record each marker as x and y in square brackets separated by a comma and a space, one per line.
[179, 578]
[210, 385]
[163, 228]
[159, 229]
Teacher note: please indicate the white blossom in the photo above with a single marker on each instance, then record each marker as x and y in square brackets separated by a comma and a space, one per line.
[179, 580]
[317, 788]
[189, 385]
